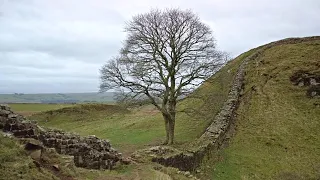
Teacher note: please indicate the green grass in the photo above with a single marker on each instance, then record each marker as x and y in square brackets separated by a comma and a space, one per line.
[28, 109]
[277, 130]
[123, 127]
[144, 126]
[198, 110]
[16, 164]
[277, 127]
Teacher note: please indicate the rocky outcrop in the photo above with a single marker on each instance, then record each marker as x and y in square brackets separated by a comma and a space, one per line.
[89, 152]
[309, 80]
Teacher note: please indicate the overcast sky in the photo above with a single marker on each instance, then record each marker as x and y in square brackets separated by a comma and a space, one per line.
[59, 45]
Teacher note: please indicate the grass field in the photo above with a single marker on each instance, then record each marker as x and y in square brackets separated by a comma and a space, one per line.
[138, 127]
[277, 130]
[277, 127]
[143, 126]
[28, 109]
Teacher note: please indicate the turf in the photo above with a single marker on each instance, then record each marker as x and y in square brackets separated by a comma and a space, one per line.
[277, 129]
[16, 164]
[143, 126]
[28, 109]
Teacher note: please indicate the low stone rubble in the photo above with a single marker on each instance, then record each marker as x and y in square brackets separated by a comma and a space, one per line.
[89, 152]
[309, 80]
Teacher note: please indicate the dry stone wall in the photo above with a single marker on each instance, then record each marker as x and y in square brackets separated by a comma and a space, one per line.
[215, 134]
[89, 152]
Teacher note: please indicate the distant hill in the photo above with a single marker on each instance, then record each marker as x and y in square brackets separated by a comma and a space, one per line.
[57, 98]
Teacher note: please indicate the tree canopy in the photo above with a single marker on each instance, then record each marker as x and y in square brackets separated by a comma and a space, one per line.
[167, 53]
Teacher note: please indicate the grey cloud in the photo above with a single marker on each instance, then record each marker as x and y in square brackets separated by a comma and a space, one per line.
[59, 42]
[72, 86]
[59, 46]
[69, 69]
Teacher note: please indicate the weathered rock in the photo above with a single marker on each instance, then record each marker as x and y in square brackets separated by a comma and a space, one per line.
[56, 167]
[13, 116]
[5, 113]
[125, 161]
[33, 144]
[5, 107]
[313, 91]
[313, 82]
[36, 155]
[301, 84]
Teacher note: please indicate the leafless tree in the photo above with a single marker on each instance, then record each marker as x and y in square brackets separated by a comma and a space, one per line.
[166, 55]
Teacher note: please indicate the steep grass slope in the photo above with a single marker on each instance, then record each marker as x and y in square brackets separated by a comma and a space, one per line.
[277, 128]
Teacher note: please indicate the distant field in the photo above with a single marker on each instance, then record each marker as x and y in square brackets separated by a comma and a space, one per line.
[28, 109]
[37, 107]
[57, 98]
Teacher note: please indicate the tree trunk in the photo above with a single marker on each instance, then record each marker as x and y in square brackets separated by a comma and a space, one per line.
[166, 124]
[171, 131]
[169, 126]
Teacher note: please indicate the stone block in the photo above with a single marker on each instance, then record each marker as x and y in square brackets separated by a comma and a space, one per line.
[5, 113]
[36, 155]
[5, 107]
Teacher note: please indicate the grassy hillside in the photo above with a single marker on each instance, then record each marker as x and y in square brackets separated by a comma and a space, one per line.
[143, 126]
[15, 163]
[277, 129]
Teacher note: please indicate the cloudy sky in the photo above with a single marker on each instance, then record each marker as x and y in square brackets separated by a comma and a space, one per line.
[59, 45]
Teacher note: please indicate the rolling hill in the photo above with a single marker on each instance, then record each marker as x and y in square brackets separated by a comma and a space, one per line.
[277, 126]
[275, 134]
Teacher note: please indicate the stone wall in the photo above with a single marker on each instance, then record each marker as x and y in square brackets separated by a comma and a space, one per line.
[89, 152]
[215, 134]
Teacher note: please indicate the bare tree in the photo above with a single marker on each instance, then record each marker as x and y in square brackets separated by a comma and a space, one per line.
[166, 55]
